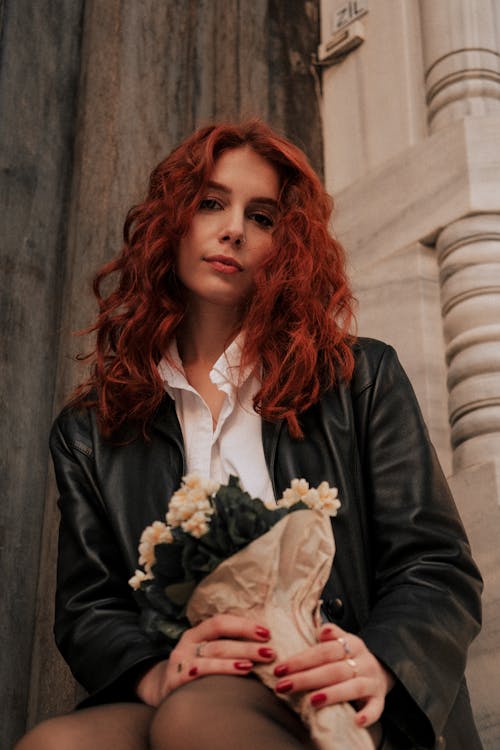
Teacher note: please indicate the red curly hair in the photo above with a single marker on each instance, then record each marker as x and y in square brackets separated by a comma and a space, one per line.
[297, 321]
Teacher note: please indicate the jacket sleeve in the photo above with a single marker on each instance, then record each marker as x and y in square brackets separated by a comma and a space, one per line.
[426, 587]
[96, 621]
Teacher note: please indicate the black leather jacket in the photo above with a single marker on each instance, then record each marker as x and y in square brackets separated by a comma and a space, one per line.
[403, 577]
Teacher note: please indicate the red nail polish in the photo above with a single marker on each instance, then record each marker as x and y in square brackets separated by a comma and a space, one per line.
[284, 687]
[266, 653]
[318, 699]
[244, 665]
[281, 670]
[262, 632]
[327, 631]
[193, 671]
[362, 720]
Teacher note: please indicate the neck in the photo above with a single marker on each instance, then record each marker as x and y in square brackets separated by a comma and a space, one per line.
[205, 333]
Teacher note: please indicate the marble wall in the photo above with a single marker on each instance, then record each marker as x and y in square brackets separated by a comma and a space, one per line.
[412, 155]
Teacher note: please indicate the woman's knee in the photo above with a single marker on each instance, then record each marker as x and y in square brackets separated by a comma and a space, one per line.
[179, 715]
[221, 711]
[121, 726]
[45, 736]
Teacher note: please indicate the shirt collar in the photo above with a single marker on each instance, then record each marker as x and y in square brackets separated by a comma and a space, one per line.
[225, 373]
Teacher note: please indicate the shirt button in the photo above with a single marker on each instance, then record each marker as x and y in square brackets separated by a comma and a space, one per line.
[338, 607]
[334, 608]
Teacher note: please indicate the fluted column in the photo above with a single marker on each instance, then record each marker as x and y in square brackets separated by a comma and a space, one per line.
[462, 77]
[462, 61]
[469, 258]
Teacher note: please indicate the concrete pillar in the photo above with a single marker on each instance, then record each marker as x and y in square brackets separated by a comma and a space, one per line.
[469, 259]
[461, 45]
[462, 64]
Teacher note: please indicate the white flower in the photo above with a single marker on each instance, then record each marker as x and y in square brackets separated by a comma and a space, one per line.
[294, 494]
[330, 502]
[206, 485]
[269, 504]
[300, 486]
[192, 497]
[311, 499]
[192, 481]
[157, 533]
[322, 498]
[180, 509]
[138, 578]
[196, 525]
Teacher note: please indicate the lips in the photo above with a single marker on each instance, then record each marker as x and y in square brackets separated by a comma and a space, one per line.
[224, 264]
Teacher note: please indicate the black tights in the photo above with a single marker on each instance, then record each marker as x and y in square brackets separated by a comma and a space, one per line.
[213, 713]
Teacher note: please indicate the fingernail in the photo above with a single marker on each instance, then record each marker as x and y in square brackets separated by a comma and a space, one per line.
[266, 653]
[318, 699]
[284, 687]
[243, 665]
[262, 632]
[362, 720]
[193, 671]
[281, 670]
[327, 631]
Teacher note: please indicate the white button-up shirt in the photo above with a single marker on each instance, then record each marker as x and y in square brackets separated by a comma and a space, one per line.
[235, 446]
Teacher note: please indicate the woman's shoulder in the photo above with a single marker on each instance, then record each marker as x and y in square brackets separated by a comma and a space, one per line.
[75, 427]
[369, 350]
[371, 356]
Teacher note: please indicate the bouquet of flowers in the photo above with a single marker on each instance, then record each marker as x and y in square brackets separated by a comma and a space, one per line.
[222, 551]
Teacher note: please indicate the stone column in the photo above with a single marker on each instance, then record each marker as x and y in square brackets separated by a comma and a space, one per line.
[462, 76]
[469, 258]
[461, 43]
[462, 64]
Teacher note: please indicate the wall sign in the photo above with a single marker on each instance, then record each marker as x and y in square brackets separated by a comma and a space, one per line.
[347, 13]
[346, 32]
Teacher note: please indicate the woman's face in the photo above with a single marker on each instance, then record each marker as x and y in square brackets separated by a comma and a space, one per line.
[231, 232]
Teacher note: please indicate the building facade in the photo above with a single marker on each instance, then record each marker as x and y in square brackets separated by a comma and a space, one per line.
[411, 125]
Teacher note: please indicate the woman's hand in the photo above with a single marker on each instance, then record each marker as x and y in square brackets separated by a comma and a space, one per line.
[223, 644]
[339, 668]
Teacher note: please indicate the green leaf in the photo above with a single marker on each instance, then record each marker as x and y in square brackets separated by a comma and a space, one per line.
[179, 593]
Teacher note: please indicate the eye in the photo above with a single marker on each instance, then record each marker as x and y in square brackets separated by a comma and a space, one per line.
[263, 220]
[210, 204]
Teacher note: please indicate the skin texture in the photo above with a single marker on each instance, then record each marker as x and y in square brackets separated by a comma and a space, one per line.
[232, 645]
[235, 219]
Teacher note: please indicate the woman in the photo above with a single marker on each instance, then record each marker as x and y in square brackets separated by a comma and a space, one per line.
[224, 347]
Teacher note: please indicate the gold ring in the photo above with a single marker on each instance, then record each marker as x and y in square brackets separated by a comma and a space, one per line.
[198, 652]
[352, 663]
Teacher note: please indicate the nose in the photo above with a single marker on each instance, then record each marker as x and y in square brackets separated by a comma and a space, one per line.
[233, 231]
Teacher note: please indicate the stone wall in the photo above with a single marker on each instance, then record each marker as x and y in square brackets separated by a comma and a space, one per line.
[93, 95]
[39, 64]
[412, 155]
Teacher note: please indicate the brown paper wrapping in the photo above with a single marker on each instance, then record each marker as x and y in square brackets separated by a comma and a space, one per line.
[277, 580]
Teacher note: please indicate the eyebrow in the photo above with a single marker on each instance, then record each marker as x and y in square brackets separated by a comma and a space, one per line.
[258, 199]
